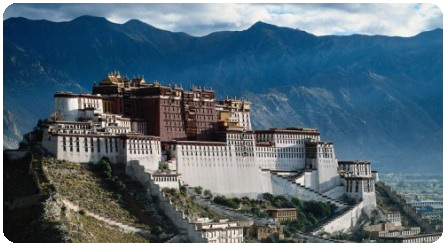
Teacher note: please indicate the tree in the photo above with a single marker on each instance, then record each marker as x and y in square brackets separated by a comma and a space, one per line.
[163, 166]
[104, 168]
[281, 201]
[268, 197]
[256, 211]
[245, 200]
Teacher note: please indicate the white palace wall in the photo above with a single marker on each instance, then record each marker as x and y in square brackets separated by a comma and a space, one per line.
[217, 168]
[91, 148]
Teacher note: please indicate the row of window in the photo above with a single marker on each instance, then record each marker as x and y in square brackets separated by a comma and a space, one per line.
[240, 136]
[74, 126]
[354, 167]
[206, 153]
[117, 130]
[89, 103]
[281, 149]
[224, 233]
[165, 179]
[368, 186]
[280, 155]
[73, 144]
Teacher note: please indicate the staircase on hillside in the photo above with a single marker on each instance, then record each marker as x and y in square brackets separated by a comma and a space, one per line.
[341, 205]
[325, 222]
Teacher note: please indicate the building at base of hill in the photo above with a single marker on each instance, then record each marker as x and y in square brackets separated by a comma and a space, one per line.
[220, 231]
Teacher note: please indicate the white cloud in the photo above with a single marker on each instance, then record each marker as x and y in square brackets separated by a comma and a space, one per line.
[201, 19]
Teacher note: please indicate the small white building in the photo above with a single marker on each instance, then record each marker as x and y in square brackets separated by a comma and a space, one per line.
[394, 217]
[221, 231]
[167, 179]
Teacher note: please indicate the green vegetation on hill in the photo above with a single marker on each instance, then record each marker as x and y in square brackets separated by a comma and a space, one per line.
[190, 207]
[49, 220]
[100, 232]
[309, 213]
[93, 189]
[387, 204]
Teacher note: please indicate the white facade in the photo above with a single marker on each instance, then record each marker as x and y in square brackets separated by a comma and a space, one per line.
[217, 167]
[279, 149]
[166, 179]
[86, 134]
[85, 148]
[73, 106]
[221, 231]
[355, 168]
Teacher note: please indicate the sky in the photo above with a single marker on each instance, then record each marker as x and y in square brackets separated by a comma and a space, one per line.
[202, 19]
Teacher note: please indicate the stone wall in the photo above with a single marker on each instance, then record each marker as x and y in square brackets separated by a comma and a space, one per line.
[401, 201]
[177, 217]
[283, 186]
[343, 221]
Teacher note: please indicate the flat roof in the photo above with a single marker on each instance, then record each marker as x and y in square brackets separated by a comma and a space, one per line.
[281, 209]
[311, 131]
[353, 162]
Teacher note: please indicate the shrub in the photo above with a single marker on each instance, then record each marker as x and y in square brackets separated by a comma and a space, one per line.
[222, 200]
[163, 166]
[281, 201]
[256, 211]
[198, 190]
[296, 202]
[236, 200]
[183, 190]
[82, 212]
[245, 200]
[208, 194]
[157, 230]
[318, 209]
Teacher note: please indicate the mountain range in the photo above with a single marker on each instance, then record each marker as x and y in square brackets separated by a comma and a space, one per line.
[378, 98]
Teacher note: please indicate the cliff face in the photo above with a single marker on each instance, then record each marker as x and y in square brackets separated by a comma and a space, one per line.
[378, 98]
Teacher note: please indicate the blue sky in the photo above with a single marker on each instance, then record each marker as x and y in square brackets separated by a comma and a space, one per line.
[202, 19]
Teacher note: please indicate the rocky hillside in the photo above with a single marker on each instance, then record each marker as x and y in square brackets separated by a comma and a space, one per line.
[55, 201]
[378, 98]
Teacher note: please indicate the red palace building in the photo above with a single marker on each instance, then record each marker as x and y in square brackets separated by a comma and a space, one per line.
[165, 111]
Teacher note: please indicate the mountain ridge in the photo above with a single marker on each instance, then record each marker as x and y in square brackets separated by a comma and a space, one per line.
[393, 84]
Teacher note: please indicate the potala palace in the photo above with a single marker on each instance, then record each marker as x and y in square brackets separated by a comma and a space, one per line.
[205, 142]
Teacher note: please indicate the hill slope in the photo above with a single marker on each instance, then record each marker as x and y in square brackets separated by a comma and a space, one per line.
[376, 97]
[50, 219]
